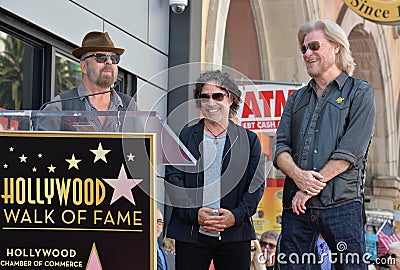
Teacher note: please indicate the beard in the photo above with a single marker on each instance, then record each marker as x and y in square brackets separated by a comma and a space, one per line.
[100, 79]
[313, 72]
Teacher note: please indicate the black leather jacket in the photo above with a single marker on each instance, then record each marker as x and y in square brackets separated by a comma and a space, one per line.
[338, 125]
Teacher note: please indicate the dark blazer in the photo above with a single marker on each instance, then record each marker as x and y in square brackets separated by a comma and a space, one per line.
[242, 184]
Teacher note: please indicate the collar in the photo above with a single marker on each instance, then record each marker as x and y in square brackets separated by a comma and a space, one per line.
[340, 80]
[115, 98]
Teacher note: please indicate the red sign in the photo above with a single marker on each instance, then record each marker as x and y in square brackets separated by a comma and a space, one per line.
[263, 105]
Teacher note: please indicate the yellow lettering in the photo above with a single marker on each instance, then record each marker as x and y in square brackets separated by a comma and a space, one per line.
[10, 215]
[20, 190]
[8, 195]
[109, 218]
[38, 199]
[95, 218]
[64, 218]
[81, 216]
[100, 191]
[26, 217]
[137, 221]
[77, 191]
[49, 189]
[89, 191]
[63, 190]
[122, 219]
[48, 216]
[30, 200]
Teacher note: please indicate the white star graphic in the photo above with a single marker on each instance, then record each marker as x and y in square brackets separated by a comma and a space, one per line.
[100, 153]
[5, 166]
[131, 157]
[73, 162]
[34, 169]
[11, 149]
[51, 168]
[23, 158]
[122, 186]
[40, 155]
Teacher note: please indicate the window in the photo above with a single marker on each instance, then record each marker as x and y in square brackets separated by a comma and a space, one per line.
[20, 71]
[68, 73]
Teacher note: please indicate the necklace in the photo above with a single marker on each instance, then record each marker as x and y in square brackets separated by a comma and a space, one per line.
[215, 136]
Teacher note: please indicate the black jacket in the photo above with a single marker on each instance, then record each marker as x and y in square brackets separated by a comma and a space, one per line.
[242, 184]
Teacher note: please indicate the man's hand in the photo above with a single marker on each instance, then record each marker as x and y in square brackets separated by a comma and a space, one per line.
[214, 220]
[310, 182]
[299, 202]
[229, 218]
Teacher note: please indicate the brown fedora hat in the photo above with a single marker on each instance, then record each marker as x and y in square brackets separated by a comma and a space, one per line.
[96, 41]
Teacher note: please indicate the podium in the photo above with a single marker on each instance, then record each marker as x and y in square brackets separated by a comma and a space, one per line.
[76, 197]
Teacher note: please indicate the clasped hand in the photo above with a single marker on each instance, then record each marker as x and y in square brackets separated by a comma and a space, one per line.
[309, 184]
[214, 220]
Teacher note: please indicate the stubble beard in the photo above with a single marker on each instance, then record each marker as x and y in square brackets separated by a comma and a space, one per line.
[313, 72]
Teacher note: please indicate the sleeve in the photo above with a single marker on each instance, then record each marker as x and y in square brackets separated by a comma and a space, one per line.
[179, 195]
[283, 138]
[361, 126]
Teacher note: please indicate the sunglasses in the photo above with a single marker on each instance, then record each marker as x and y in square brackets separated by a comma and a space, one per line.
[264, 244]
[214, 96]
[313, 45]
[391, 255]
[252, 248]
[102, 58]
[160, 222]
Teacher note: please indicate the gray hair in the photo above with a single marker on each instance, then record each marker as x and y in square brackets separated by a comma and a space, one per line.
[334, 33]
[270, 234]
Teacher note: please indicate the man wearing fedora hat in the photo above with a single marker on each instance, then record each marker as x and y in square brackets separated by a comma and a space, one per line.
[99, 60]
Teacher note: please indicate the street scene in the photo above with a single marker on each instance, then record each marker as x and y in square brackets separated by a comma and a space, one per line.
[200, 134]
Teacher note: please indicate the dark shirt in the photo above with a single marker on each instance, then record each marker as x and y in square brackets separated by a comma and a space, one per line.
[338, 125]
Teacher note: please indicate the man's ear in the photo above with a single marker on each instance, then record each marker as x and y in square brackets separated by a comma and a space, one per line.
[82, 63]
[337, 49]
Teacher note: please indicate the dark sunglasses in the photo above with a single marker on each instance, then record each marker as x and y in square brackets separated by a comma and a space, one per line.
[214, 96]
[252, 248]
[313, 45]
[391, 255]
[102, 58]
[264, 244]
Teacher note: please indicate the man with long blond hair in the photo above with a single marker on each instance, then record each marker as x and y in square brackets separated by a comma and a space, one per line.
[321, 145]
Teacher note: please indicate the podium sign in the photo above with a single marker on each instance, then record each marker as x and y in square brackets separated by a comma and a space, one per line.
[77, 200]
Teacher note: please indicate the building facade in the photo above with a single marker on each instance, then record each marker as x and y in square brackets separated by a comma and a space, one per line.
[265, 32]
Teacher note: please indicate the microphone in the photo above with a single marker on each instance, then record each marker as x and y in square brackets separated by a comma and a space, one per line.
[83, 96]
